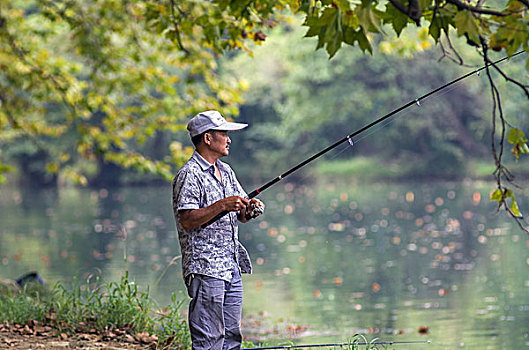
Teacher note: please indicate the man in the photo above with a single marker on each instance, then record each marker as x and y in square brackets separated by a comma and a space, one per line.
[212, 256]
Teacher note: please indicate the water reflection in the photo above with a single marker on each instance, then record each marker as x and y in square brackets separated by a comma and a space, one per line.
[400, 262]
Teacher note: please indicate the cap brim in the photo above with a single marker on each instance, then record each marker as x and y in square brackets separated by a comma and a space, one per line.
[229, 126]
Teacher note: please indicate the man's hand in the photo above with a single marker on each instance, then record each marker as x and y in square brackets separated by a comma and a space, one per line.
[234, 203]
[254, 209]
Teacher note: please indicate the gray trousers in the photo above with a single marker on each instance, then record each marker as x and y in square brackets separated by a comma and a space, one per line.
[215, 312]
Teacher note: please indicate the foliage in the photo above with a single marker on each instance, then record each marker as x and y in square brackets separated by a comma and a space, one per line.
[354, 22]
[517, 138]
[97, 307]
[93, 80]
[494, 26]
[301, 103]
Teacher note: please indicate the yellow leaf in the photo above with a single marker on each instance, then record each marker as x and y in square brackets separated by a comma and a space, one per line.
[64, 157]
[52, 167]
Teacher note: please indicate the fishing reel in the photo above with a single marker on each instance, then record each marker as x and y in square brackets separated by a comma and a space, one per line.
[254, 209]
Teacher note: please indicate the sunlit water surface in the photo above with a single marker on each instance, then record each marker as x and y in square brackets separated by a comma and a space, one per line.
[411, 262]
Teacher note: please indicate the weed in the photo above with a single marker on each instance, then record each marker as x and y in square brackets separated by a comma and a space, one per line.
[98, 307]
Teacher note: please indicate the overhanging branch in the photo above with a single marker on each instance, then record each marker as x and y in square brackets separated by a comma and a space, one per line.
[525, 2]
[413, 11]
[176, 26]
[474, 9]
[501, 171]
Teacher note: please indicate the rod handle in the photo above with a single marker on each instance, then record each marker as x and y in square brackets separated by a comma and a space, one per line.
[253, 194]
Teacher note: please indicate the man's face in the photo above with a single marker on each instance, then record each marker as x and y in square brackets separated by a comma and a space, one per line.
[219, 142]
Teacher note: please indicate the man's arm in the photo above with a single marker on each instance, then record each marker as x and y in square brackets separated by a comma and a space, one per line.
[194, 218]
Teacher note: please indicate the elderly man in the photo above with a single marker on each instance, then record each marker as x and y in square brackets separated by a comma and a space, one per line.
[212, 256]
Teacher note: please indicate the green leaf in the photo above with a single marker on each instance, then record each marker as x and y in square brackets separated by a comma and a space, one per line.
[516, 136]
[438, 24]
[333, 34]
[368, 19]
[328, 16]
[398, 20]
[344, 5]
[467, 24]
[352, 36]
[333, 46]
[366, 3]
[315, 26]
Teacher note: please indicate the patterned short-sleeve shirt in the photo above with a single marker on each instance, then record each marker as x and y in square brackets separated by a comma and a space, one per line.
[212, 250]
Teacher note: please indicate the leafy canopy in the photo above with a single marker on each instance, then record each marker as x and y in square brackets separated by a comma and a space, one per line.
[109, 74]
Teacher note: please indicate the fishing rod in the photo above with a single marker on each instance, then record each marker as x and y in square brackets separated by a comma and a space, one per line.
[338, 344]
[349, 138]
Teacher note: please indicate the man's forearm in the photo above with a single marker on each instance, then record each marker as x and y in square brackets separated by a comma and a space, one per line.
[193, 218]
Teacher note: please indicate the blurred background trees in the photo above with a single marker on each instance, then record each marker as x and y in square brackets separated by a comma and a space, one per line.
[100, 91]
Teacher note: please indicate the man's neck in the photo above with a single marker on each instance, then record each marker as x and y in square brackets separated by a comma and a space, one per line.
[211, 158]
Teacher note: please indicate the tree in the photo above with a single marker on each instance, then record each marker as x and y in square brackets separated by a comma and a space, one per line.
[300, 102]
[92, 80]
[500, 27]
[120, 70]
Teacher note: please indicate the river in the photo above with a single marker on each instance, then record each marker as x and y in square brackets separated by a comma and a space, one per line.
[401, 262]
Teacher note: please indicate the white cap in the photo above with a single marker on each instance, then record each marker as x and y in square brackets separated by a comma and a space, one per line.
[211, 120]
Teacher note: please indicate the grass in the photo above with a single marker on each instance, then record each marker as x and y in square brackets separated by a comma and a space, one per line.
[374, 169]
[97, 307]
[357, 342]
[362, 169]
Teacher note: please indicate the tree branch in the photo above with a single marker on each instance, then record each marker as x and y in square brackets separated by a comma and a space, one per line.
[501, 171]
[411, 11]
[524, 87]
[525, 2]
[16, 125]
[458, 60]
[474, 9]
[43, 75]
[176, 24]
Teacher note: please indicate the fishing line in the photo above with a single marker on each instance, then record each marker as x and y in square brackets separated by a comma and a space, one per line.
[334, 345]
[424, 103]
[419, 103]
[352, 136]
[351, 143]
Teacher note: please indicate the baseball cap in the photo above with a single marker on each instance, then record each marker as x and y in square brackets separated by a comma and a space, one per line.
[211, 120]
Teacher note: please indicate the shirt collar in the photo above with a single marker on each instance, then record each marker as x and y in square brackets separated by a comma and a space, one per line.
[203, 163]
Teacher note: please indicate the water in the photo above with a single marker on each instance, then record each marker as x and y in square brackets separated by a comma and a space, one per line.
[393, 262]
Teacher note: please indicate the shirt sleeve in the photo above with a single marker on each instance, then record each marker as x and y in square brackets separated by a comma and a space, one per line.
[187, 192]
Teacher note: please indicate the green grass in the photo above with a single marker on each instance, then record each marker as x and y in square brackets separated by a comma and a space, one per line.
[97, 307]
[484, 168]
[374, 169]
[357, 342]
[362, 168]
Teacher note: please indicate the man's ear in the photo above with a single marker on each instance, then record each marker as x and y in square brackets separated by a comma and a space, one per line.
[207, 138]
